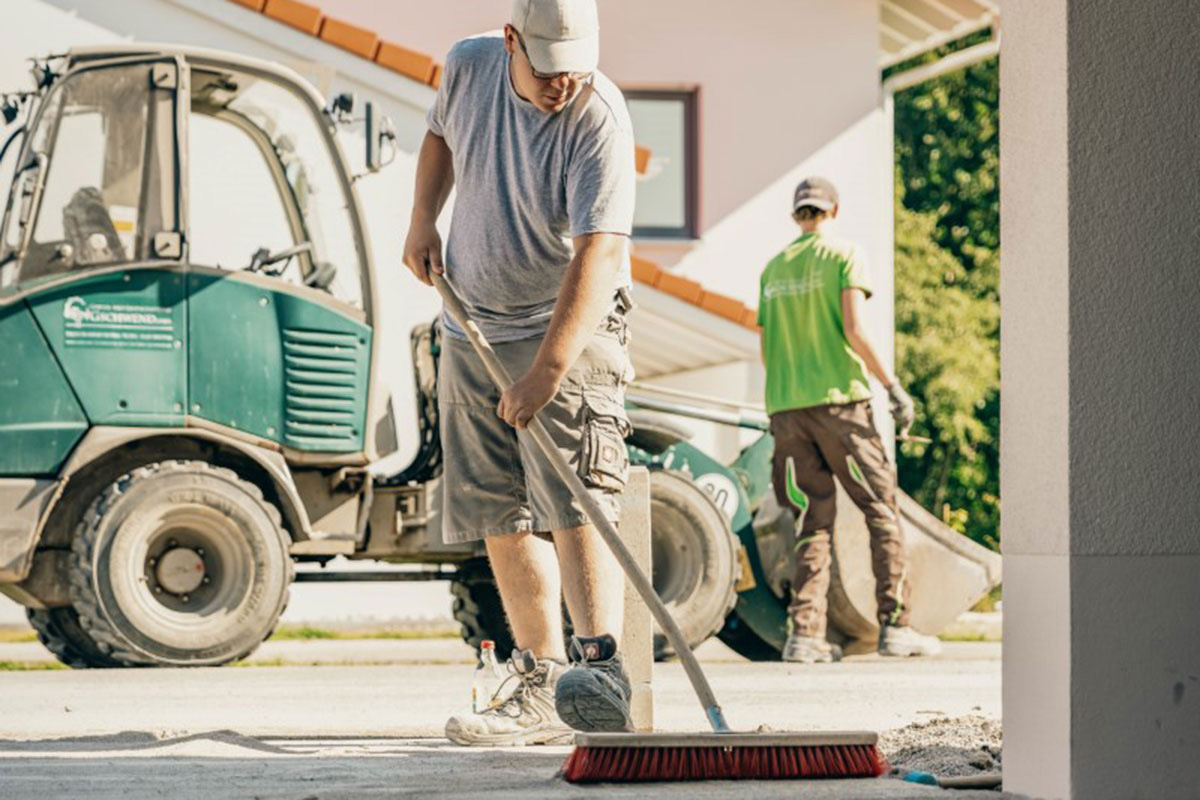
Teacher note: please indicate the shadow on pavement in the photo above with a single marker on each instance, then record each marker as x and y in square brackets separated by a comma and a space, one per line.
[226, 764]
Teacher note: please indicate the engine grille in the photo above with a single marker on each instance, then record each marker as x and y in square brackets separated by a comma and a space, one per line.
[325, 389]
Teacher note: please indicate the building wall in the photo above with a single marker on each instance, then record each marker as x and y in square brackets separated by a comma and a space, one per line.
[786, 88]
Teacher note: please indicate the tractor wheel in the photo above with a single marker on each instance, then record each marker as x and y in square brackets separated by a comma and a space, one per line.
[694, 554]
[695, 570]
[478, 609]
[749, 645]
[59, 631]
[179, 563]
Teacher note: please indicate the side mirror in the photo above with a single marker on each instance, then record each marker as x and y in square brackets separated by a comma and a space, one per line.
[380, 131]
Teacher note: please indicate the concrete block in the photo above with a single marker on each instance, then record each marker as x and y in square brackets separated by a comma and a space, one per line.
[637, 642]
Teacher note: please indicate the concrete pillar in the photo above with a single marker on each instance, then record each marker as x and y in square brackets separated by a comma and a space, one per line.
[1101, 417]
[637, 641]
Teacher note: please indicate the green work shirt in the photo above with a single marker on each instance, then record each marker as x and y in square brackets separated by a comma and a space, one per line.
[809, 361]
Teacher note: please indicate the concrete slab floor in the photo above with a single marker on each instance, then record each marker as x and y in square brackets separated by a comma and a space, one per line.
[367, 731]
[228, 765]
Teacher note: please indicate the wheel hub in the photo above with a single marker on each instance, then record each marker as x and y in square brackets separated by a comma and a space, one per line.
[180, 570]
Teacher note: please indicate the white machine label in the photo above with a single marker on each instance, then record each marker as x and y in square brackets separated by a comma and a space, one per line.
[722, 491]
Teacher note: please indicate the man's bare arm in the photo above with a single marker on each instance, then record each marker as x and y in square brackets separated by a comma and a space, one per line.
[586, 294]
[435, 179]
[852, 325]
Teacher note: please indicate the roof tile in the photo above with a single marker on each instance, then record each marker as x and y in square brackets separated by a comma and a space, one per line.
[253, 5]
[649, 273]
[436, 79]
[350, 37]
[645, 271]
[681, 287]
[418, 66]
[299, 15]
[729, 307]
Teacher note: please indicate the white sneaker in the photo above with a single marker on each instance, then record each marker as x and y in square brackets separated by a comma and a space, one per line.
[897, 641]
[527, 716]
[810, 650]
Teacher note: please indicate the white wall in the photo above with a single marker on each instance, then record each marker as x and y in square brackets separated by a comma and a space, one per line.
[787, 88]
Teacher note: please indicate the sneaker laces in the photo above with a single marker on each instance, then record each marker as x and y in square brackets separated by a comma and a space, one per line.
[513, 705]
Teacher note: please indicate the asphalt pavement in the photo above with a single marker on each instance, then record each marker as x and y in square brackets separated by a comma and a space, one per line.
[366, 721]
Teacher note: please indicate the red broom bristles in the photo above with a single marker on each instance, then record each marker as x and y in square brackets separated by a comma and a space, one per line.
[611, 764]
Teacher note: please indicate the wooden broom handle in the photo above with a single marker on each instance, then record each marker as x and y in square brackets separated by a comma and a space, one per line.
[607, 530]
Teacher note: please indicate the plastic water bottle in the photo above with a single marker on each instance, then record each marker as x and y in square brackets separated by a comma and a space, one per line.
[488, 678]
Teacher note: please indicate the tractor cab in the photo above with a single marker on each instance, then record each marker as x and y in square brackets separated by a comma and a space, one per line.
[184, 229]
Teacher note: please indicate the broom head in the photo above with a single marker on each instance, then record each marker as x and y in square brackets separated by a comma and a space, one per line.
[610, 757]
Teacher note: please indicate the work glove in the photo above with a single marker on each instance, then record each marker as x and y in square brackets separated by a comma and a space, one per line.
[903, 410]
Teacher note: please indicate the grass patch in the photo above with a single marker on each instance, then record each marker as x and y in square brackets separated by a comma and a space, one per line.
[966, 637]
[435, 633]
[30, 666]
[303, 632]
[285, 633]
[281, 662]
[17, 636]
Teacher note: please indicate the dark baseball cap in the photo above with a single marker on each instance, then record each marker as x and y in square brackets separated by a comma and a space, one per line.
[815, 192]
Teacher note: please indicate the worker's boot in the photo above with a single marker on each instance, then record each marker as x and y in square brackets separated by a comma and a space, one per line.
[594, 694]
[895, 640]
[810, 650]
[527, 716]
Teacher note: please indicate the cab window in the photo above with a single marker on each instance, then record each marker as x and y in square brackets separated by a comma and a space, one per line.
[265, 191]
[93, 135]
[234, 210]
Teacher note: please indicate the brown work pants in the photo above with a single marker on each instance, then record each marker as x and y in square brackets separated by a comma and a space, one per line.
[812, 445]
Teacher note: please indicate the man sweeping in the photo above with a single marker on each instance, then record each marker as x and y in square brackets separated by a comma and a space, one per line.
[817, 359]
[540, 148]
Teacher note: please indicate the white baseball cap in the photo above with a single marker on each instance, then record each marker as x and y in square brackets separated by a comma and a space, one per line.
[560, 35]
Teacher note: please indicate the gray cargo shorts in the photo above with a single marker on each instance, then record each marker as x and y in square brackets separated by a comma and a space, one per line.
[495, 481]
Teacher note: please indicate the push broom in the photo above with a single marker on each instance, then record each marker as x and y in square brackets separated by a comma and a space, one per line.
[722, 754]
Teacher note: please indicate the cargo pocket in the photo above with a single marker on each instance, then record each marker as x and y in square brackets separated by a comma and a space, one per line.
[605, 461]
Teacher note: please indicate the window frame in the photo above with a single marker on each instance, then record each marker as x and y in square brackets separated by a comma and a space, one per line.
[690, 95]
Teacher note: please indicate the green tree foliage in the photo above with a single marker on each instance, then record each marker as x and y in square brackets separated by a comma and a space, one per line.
[947, 148]
[947, 140]
[947, 357]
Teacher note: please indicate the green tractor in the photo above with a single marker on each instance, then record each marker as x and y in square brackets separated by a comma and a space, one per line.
[190, 314]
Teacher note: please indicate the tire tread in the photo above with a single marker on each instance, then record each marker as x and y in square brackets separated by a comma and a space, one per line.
[82, 578]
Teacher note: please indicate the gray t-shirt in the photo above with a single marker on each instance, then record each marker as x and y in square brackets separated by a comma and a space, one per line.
[526, 182]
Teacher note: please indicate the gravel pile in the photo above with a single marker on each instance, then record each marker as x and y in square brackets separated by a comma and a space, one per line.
[945, 746]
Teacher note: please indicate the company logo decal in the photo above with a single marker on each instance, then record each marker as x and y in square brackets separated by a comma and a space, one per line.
[140, 327]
